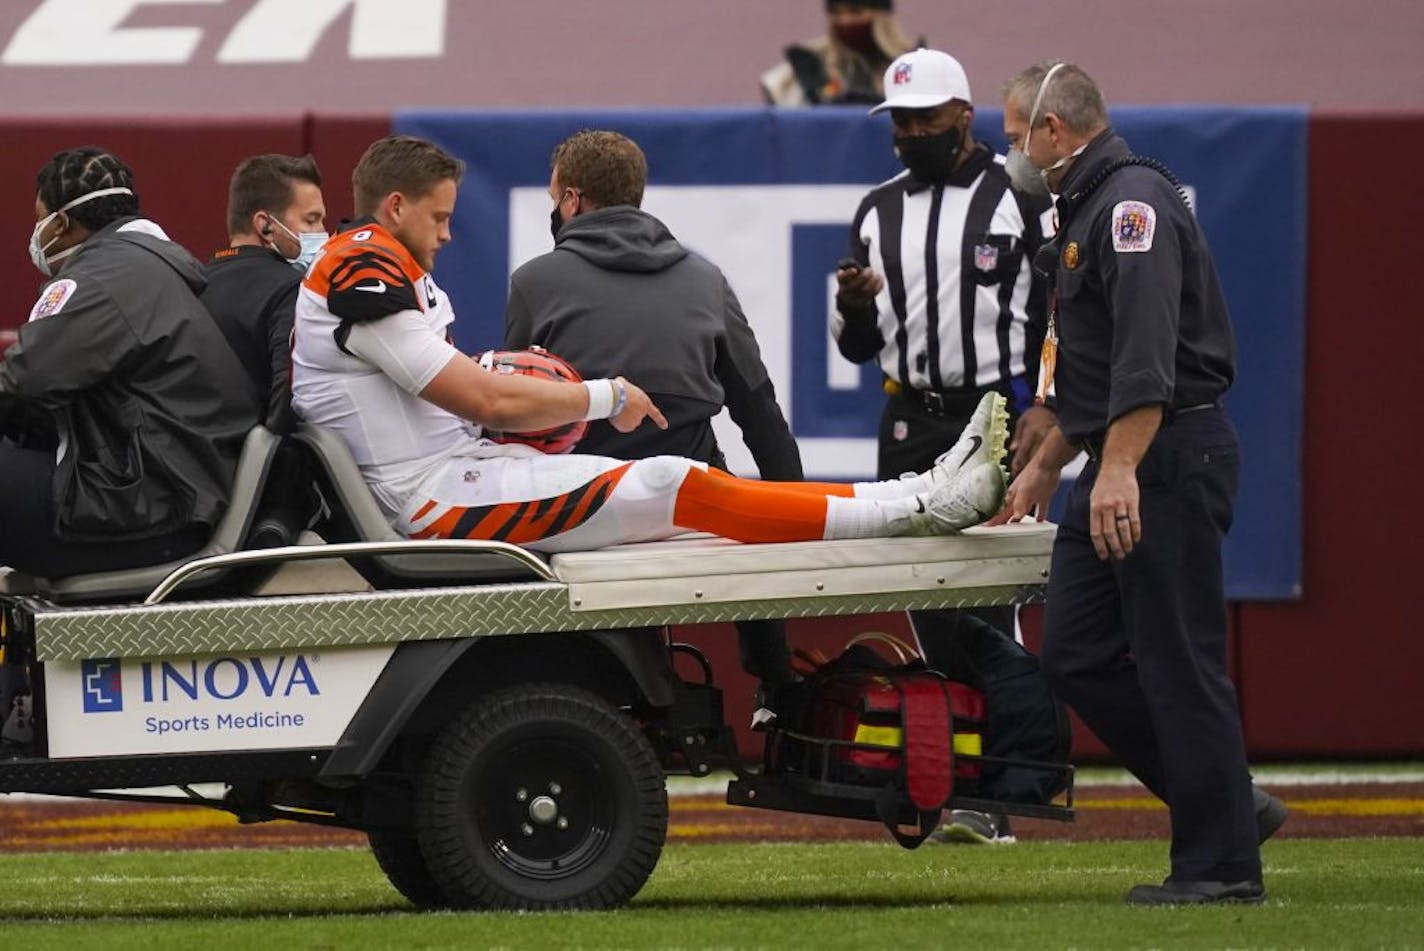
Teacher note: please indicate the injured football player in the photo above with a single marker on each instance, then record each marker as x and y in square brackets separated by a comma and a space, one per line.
[372, 361]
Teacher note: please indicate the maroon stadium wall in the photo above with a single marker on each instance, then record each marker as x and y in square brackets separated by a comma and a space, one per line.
[1334, 674]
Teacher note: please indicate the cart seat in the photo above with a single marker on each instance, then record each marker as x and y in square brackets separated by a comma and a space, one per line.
[130, 584]
[354, 516]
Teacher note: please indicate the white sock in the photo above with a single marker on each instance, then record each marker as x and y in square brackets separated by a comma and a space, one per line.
[866, 518]
[894, 488]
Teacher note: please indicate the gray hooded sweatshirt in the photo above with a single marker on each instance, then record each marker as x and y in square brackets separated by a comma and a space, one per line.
[619, 295]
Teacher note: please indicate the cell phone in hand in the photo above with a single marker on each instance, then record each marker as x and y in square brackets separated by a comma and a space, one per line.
[847, 263]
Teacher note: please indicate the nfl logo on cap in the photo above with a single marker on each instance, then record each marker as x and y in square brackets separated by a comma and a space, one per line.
[923, 79]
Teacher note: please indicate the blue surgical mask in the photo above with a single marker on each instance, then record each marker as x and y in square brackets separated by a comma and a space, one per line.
[311, 243]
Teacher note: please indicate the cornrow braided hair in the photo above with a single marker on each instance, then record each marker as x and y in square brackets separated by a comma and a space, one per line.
[75, 173]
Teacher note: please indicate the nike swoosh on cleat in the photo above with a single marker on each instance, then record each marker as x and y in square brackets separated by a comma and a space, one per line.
[378, 288]
[919, 505]
[978, 441]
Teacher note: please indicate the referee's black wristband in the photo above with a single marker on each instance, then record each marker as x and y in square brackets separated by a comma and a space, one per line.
[855, 311]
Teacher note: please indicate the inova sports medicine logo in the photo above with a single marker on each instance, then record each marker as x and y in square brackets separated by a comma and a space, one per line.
[198, 695]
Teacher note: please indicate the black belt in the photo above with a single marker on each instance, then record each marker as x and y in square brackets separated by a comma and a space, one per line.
[1092, 444]
[961, 402]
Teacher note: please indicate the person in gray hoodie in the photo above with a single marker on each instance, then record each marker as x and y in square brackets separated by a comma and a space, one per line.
[124, 409]
[619, 294]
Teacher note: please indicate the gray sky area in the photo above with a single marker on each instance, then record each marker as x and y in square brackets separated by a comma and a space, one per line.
[88, 57]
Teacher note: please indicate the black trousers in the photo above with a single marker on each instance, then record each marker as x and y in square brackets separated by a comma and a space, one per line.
[1138, 647]
[762, 645]
[27, 539]
[911, 438]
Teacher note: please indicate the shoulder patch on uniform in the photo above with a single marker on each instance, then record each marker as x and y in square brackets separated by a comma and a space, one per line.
[1133, 224]
[53, 299]
[369, 284]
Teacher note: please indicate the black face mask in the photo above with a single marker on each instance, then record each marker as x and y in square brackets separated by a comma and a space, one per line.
[930, 158]
[555, 223]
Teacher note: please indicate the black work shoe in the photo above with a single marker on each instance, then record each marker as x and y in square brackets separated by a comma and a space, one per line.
[1271, 813]
[1197, 893]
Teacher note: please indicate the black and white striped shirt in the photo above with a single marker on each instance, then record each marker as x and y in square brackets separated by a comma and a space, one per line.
[960, 309]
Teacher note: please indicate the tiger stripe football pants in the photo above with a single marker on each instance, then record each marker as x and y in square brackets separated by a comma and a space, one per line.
[579, 503]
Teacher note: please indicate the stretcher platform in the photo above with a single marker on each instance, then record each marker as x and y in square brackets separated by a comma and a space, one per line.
[687, 580]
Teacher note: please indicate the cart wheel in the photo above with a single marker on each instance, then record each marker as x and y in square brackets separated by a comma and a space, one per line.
[541, 797]
[398, 854]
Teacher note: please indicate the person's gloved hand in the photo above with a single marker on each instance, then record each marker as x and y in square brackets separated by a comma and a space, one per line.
[856, 286]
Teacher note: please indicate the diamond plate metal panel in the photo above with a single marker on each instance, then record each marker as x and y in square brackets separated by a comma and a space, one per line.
[280, 623]
[299, 621]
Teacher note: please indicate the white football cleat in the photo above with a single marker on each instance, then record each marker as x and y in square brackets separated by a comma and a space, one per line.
[972, 495]
[985, 440]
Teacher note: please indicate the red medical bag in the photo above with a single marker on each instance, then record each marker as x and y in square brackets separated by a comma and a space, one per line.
[897, 729]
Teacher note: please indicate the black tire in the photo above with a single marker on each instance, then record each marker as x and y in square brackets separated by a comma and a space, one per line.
[397, 852]
[539, 797]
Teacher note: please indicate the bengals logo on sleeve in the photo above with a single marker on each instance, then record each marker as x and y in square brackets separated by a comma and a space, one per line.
[366, 274]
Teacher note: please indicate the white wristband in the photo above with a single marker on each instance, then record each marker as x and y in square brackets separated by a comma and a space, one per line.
[601, 395]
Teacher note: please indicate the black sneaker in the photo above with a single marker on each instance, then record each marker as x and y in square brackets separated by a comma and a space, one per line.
[1198, 893]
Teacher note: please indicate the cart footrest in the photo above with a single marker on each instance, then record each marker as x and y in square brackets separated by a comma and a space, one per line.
[791, 793]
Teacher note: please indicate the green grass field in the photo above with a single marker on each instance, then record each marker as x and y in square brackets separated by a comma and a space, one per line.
[1325, 893]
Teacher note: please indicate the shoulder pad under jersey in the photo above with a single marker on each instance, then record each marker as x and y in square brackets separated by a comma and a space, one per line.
[366, 274]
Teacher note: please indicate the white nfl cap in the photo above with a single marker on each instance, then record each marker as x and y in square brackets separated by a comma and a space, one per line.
[921, 79]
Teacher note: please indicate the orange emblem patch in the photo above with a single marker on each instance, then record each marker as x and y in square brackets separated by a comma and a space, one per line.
[1070, 255]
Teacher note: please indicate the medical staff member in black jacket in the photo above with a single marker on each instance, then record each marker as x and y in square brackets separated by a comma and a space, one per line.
[1140, 353]
[276, 223]
[124, 409]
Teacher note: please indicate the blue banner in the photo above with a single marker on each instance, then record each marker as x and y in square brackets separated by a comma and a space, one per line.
[769, 195]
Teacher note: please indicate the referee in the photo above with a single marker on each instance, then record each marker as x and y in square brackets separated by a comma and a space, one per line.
[938, 289]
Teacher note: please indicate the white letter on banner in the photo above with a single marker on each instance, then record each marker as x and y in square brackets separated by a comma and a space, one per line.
[281, 31]
[89, 33]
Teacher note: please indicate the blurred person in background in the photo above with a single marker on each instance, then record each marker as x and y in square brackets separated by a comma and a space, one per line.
[843, 66]
[619, 294]
[276, 223]
[122, 406]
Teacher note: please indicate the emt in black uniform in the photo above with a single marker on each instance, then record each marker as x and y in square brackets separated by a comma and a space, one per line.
[123, 408]
[1135, 632]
